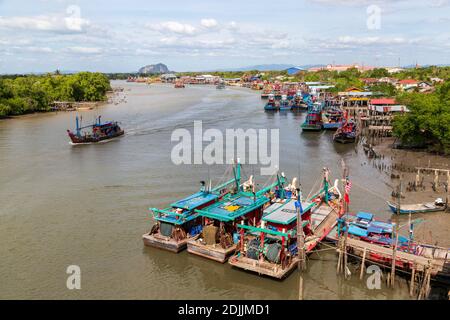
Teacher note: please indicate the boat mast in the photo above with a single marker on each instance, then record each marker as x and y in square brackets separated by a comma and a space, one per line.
[77, 125]
[237, 174]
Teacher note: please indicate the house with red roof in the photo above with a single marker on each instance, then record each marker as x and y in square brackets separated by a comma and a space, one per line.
[385, 106]
[406, 84]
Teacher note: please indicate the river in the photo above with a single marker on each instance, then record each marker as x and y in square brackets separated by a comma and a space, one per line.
[88, 205]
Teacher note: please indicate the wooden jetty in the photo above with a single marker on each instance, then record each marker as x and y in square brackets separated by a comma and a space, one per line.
[72, 105]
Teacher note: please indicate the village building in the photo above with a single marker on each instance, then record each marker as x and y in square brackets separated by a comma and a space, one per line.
[407, 84]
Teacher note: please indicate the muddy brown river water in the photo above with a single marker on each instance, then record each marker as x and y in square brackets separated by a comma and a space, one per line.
[88, 205]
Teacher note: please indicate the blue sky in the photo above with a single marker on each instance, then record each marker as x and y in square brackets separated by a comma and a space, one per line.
[121, 36]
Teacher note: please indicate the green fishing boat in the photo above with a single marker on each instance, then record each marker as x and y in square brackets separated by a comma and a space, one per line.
[219, 221]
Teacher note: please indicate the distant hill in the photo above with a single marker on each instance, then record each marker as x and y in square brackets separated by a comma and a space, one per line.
[158, 68]
[269, 67]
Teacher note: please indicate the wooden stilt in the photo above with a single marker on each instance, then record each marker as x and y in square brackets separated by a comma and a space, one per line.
[300, 288]
[411, 285]
[363, 264]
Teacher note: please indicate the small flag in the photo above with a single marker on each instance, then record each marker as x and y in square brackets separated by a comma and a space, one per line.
[348, 187]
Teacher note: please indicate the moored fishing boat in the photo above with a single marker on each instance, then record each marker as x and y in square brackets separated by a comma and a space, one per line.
[271, 104]
[437, 205]
[179, 223]
[94, 133]
[298, 103]
[220, 85]
[271, 248]
[332, 118]
[313, 121]
[266, 92]
[284, 104]
[217, 240]
[346, 133]
[179, 84]
[376, 240]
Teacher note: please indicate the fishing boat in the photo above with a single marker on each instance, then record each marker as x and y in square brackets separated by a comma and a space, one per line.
[218, 239]
[374, 240]
[266, 92]
[298, 103]
[271, 104]
[284, 103]
[179, 223]
[437, 205]
[179, 84]
[332, 118]
[313, 121]
[346, 133]
[96, 132]
[220, 85]
[271, 248]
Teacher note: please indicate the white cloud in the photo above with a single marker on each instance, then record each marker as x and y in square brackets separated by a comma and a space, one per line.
[53, 23]
[84, 50]
[209, 23]
[370, 40]
[174, 27]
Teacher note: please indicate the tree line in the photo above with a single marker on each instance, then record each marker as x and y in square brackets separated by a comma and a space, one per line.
[21, 94]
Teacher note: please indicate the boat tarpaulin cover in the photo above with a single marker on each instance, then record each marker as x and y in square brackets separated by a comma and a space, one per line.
[195, 200]
[365, 215]
[357, 231]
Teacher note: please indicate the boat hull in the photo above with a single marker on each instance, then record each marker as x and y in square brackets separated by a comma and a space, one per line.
[81, 140]
[215, 253]
[344, 139]
[311, 128]
[393, 208]
[164, 243]
[265, 268]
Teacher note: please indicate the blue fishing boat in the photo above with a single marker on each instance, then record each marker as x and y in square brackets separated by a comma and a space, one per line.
[284, 104]
[332, 118]
[313, 121]
[298, 103]
[179, 222]
[219, 234]
[271, 104]
[437, 205]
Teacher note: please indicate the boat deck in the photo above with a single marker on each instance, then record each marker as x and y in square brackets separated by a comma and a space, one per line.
[214, 252]
[166, 243]
[263, 267]
[284, 213]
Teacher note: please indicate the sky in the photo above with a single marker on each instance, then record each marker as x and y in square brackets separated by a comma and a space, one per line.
[202, 35]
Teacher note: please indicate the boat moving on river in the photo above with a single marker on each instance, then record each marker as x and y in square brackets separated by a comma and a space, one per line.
[97, 132]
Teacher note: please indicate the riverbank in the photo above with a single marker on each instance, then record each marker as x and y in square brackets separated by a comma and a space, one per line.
[436, 227]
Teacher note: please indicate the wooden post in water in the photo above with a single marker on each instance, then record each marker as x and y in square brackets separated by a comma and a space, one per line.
[363, 264]
[300, 246]
[394, 253]
[411, 285]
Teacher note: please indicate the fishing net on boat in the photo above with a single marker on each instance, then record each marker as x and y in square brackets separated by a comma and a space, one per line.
[273, 252]
[210, 234]
[253, 249]
[165, 229]
[179, 234]
[226, 240]
[154, 229]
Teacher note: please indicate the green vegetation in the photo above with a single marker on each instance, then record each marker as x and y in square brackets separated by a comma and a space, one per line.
[428, 123]
[26, 94]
